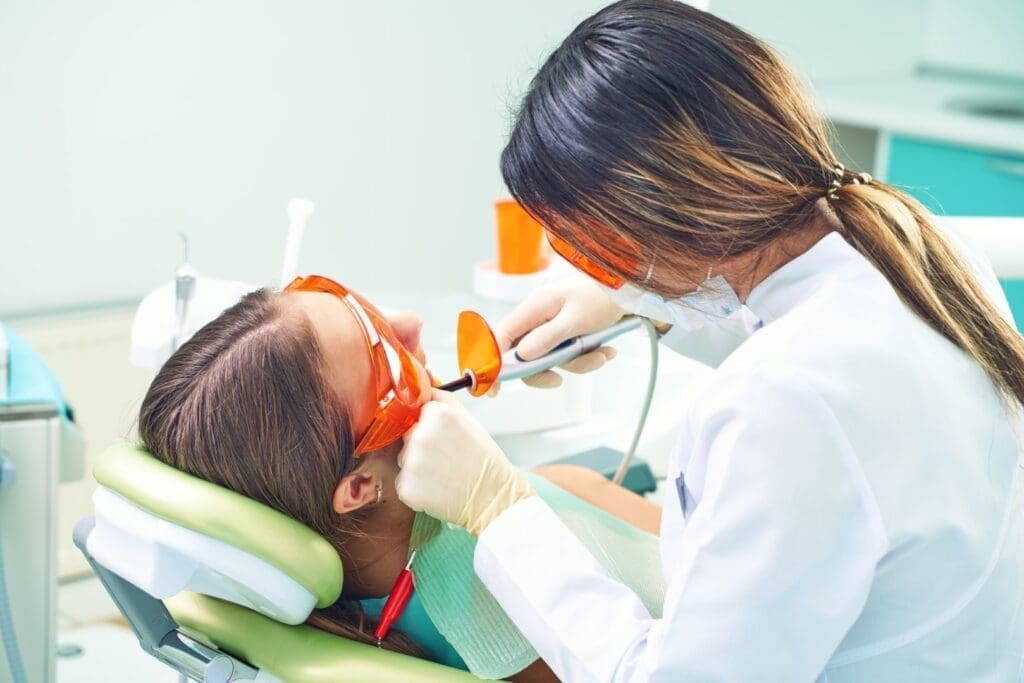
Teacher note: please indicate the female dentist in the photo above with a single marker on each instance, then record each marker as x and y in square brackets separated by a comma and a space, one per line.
[844, 502]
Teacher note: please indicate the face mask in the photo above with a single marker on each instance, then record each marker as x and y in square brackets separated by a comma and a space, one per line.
[707, 324]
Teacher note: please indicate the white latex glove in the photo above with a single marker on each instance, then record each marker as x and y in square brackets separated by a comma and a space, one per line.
[553, 313]
[452, 469]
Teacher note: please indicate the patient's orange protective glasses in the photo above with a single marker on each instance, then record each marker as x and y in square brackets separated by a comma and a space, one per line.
[398, 376]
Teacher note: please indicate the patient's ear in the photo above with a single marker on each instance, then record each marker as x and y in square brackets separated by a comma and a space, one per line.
[355, 491]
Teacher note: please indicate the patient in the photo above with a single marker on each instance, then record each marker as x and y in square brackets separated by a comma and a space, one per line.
[271, 399]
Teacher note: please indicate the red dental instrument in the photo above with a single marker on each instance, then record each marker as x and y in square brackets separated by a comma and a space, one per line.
[398, 598]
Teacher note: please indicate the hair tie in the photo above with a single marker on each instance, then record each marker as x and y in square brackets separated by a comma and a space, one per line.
[838, 172]
[837, 181]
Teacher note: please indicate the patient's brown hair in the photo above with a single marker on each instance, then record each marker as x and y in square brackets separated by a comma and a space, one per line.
[244, 404]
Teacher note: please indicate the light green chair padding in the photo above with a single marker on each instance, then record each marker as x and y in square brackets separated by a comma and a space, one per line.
[294, 654]
[299, 654]
[220, 513]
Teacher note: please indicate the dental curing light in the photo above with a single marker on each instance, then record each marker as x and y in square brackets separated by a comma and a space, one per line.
[482, 364]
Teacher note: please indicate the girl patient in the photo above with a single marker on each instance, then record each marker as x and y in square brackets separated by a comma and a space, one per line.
[298, 400]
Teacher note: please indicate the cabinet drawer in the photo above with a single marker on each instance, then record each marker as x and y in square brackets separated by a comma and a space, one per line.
[958, 181]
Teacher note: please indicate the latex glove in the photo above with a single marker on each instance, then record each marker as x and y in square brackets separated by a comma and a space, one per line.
[452, 470]
[409, 326]
[553, 313]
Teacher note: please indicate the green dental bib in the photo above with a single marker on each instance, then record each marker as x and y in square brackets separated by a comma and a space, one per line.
[468, 616]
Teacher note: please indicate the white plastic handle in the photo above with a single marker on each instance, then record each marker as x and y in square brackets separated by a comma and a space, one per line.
[299, 212]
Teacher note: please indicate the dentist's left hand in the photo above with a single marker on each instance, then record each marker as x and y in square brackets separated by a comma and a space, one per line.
[452, 469]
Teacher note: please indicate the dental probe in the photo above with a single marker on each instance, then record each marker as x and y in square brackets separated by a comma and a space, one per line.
[184, 290]
[398, 598]
[516, 368]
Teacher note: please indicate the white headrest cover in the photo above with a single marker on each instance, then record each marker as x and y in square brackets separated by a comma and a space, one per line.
[163, 558]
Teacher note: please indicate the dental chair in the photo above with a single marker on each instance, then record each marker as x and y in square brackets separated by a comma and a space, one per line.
[218, 586]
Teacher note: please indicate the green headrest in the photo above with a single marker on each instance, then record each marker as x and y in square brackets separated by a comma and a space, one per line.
[300, 654]
[220, 513]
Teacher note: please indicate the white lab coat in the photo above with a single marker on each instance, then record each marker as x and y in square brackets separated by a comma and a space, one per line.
[847, 508]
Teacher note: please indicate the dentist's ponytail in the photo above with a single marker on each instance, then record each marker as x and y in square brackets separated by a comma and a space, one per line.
[659, 139]
[899, 236]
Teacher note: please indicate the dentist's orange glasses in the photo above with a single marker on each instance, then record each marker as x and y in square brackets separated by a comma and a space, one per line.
[399, 377]
[588, 266]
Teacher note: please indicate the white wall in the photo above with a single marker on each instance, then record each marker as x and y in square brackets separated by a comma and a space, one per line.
[982, 35]
[123, 122]
[827, 40]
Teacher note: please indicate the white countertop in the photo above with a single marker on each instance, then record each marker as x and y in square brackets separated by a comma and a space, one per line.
[918, 106]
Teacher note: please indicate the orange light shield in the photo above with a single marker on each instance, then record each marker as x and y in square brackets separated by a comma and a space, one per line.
[478, 352]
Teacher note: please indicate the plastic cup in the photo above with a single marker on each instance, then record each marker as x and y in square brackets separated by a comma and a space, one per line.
[522, 248]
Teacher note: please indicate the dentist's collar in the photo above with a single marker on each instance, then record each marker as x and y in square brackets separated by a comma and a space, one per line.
[796, 281]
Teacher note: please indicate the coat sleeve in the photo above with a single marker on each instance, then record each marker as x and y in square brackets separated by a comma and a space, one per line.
[772, 569]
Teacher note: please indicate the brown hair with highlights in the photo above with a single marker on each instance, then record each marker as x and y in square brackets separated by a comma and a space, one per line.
[244, 404]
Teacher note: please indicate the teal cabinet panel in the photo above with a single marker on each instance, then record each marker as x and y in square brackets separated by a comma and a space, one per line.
[958, 181]
[1014, 290]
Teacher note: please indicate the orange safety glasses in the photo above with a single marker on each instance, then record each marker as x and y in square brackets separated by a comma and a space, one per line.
[588, 266]
[398, 393]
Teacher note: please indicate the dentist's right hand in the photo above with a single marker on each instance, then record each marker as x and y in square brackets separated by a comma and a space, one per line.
[551, 314]
[452, 470]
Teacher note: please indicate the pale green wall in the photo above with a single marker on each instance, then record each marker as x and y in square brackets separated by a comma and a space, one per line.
[982, 35]
[124, 121]
[828, 40]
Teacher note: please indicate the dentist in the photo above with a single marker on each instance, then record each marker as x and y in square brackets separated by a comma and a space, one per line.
[844, 503]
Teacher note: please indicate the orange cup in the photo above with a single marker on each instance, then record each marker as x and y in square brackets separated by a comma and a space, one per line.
[522, 248]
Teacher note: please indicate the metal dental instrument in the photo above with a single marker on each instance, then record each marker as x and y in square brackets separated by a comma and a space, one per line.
[184, 291]
[513, 367]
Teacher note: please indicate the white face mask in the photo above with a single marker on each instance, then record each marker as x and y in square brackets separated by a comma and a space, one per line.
[707, 324]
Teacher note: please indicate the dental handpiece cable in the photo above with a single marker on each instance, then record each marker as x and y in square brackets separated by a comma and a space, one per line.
[574, 348]
[645, 408]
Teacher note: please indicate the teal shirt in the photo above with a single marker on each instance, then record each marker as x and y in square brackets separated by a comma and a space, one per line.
[415, 623]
